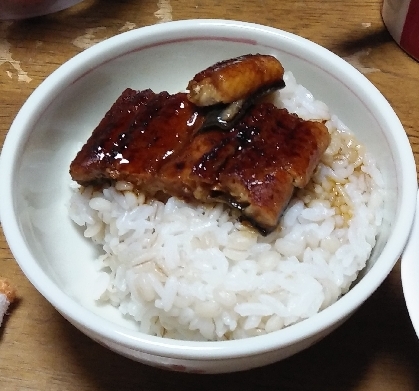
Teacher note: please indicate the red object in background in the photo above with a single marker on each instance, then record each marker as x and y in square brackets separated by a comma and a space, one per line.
[409, 39]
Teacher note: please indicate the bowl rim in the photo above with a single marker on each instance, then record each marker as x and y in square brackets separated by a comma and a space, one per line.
[78, 315]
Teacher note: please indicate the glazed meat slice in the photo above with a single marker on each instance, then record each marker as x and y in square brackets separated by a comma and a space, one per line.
[234, 79]
[133, 146]
[95, 159]
[277, 152]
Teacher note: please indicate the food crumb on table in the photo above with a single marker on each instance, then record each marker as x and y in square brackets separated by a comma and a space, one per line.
[7, 296]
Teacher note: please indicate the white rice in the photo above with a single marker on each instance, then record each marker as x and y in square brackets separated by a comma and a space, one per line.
[194, 272]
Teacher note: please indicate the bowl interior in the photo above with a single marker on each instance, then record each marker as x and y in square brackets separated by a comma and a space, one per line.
[63, 111]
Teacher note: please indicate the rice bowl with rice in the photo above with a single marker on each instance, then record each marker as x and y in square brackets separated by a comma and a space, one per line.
[194, 272]
[52, 124]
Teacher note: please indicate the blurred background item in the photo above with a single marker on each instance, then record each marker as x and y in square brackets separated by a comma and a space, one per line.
[23, 9]
[401, 18]
[7, 296]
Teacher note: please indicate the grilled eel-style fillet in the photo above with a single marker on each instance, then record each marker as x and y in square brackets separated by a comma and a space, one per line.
[235, 79]
[156, 142]
[254, 167]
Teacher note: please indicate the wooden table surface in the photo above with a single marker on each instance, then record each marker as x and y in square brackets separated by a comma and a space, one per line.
[376, 349]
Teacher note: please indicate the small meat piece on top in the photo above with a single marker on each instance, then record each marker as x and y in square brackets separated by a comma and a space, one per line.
[232, 80]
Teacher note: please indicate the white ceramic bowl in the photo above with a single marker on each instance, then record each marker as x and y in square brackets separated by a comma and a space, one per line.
[23, 9]
[64, 109]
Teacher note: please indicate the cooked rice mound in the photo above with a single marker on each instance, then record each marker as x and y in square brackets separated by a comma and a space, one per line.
[195, 272]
